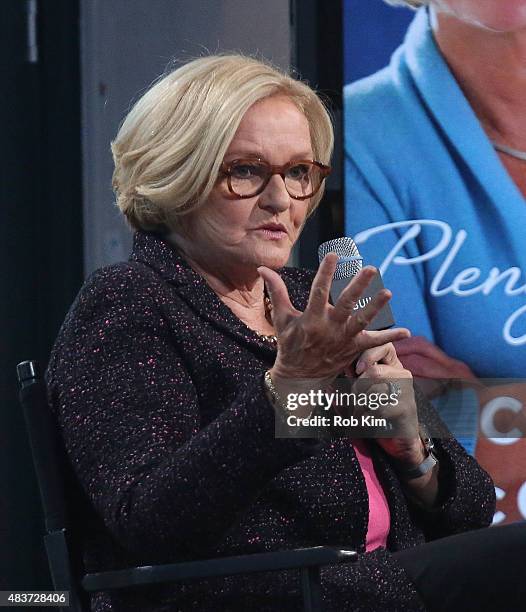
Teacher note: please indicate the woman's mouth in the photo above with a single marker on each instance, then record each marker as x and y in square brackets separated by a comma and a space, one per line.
[272, 231]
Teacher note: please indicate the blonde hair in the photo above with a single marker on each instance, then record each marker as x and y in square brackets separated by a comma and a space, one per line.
[170, 147]
[410, 3]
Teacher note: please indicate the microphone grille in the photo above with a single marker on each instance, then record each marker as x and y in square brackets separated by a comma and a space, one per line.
[350, 259]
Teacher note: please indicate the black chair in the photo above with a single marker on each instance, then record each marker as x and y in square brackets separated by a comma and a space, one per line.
[51, 466]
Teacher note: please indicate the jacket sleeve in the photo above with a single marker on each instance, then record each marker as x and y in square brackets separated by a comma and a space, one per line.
[130, 420]
[466, 498]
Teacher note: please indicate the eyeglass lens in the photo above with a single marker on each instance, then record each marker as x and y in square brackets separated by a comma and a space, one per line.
[247, 178]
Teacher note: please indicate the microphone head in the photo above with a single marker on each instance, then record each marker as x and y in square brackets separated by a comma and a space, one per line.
[350, 262]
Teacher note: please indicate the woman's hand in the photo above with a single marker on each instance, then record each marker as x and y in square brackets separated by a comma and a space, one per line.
[425, 359]
[434, 369]
[321, 341]
[376, 368]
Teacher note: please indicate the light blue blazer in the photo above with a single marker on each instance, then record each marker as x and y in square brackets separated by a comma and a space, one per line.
[415, 151]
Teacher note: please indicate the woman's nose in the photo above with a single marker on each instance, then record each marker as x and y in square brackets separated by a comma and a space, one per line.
[275, 194]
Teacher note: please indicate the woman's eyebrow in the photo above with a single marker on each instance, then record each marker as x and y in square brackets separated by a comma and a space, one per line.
[245, 154]
[252, 154]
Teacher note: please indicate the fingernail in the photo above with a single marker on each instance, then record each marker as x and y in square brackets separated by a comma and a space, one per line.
[360, 367]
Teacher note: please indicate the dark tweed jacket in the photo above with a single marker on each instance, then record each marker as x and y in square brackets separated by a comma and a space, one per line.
[158, 388]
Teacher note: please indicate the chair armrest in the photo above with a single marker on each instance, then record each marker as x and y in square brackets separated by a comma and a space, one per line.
[225, 566]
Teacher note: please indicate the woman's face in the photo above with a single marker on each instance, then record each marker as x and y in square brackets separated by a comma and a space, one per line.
[231, 231]
[496, 15]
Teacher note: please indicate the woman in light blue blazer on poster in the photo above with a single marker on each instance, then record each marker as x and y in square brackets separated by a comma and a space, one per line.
[435, 188]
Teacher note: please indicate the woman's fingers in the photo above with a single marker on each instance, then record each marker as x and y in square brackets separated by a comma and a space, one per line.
[364, 316]
[369, 339]
[384, 372]
[321, 341]
[352, 293]
[422, 346]
[423, 367]
[321, 285]
[279, 296]
[385, 353]
[425, 359]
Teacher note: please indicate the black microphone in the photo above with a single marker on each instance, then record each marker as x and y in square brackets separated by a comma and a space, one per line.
[350, 262]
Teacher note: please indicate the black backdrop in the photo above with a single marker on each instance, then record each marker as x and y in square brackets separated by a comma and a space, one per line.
[40, 245]
[317, 30]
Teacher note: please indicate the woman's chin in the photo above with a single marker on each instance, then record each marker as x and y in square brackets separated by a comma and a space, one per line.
[500, 16]
[504, 26]
[273, 258]
[505, 18]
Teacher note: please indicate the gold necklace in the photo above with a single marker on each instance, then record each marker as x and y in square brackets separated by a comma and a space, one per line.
[270, 338]
[509, 151]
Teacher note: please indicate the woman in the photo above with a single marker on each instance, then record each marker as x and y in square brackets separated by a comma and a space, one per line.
[167, 376]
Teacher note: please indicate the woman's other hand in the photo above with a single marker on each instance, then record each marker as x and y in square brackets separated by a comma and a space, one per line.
[321, 341]
[436, 370]
[376, 368]
[426, 360]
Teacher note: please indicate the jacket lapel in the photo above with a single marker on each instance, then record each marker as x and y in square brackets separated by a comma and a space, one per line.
[449, 107]
[154, 251]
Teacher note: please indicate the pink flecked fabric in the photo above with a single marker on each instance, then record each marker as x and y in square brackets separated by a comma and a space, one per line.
[159, 393]
[379, 516]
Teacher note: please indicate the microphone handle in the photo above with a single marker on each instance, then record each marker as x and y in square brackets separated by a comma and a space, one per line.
[384, 319]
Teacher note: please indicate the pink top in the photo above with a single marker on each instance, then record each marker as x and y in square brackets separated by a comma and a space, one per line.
[379, 516]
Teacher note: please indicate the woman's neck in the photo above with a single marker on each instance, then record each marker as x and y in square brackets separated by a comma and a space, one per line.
[241, 289]
[491, 70]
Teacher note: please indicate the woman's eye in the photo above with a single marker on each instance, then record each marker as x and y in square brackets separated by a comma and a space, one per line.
[245, 171]
[298, 172]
